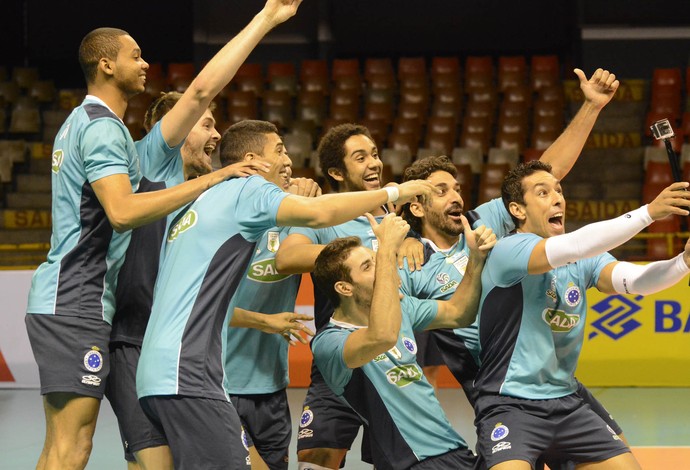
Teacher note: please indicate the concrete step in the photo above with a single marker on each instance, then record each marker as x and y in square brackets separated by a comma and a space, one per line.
[28, 200]
[32, 182]
[25, 218]
[16, 237]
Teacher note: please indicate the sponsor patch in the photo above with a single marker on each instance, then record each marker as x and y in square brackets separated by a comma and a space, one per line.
[185, 223]
[381, 357]
[410, 345]
[402, 376]
[265, 271]
[559, 321]
[57, 159]
[445, 288]
[500, 431]
[573, 296]
[306, 418]
[615, 436]
[93, 361]
[91, 380]
[505, 445]
[442, 278]
[305, 434]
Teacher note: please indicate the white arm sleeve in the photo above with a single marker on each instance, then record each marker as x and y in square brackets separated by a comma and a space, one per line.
[628, 278]
[596, 238]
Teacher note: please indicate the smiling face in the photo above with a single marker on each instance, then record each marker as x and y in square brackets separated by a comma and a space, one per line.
[440, 213]
[129, 68]
[362, 165]
[199, 145]
[274, 152]
[543, 212]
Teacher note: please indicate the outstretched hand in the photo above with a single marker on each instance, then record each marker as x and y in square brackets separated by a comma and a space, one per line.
[409, 190]
[289, 325]
[672, 200]
[600, 88]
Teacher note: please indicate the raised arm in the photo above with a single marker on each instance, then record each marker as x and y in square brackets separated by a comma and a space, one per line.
[177, 123]
[365, 344]
[461, 309]
[599, 237]
[127, 210]
[334, 209]
[598, 91]
[297, 254]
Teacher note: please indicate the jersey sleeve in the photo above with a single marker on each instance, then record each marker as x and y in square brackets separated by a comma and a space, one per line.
[259, 214]
[420, 312]
[319, 236]
[495, 216]
[104, 149]
[508, 261]
[594, 266]
[159, 161]
[327, 348]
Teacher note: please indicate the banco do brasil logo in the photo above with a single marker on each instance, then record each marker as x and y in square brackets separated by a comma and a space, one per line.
[616, 316]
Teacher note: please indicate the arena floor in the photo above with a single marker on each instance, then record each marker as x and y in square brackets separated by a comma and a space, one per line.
[656, 422]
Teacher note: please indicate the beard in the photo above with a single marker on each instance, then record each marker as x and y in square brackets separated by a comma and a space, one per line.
[443, 224]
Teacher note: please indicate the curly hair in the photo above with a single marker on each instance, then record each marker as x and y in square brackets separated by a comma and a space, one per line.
[331, 150]
[421, 170]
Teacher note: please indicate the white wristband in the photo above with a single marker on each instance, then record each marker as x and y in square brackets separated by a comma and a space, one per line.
[393, 193]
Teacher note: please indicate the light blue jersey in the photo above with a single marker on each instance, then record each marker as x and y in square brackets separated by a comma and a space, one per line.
[390, 393]
[80, 274]
[207, 250]
[443, 270]
[531, 327]
[360, 228]
[257, 362]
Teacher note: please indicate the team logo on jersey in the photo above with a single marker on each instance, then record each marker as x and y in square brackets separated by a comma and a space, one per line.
[64, 133]
[410, 345]
[305, 434]
[500, 431]
[185, 223]
[395, 352]
[58, 157]
[273, 241]
[265, 271]
[306, 418]
[93, 361]
[243, 436]
[573, 296]
[559, 321]
[404, 375]
[91, 380]
[442, 278]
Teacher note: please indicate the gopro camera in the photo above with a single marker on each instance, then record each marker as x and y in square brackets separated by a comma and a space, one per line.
[662, 130]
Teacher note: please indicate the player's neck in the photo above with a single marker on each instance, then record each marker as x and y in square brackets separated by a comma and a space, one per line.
[442, 240]
[112, 96]
[348, 312]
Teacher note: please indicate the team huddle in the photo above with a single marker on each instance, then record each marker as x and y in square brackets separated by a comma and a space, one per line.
[170, 288]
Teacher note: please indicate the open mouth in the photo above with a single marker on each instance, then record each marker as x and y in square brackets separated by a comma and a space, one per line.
[208, 149]
[373, 179]
[454, 213]
[556, 221]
